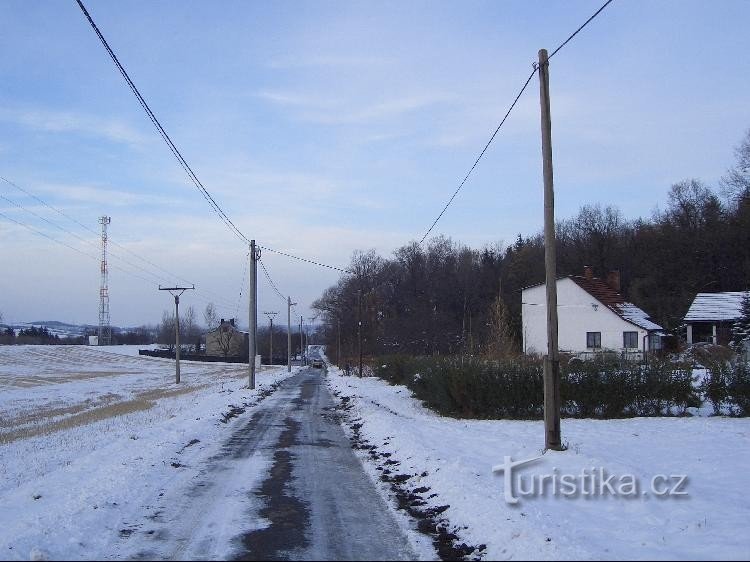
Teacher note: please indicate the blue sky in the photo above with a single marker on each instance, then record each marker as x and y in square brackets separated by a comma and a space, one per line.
[326, 127]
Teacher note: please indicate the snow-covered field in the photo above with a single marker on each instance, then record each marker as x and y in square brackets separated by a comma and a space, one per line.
[90, 436]
[455, 460]
[85, 432]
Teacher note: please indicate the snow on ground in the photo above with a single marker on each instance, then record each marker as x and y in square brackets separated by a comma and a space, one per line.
[459, 455]
[86, 432]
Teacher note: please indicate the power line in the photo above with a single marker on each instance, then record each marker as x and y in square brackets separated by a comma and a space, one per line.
[523, 88]
[307, 260]
[607, 3]
[95, 258]
[162, 132]
[176, 152]
[226, 304]
[270, 281]
[63, 229]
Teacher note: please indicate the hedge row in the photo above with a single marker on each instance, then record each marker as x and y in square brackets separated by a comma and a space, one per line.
[514, 388]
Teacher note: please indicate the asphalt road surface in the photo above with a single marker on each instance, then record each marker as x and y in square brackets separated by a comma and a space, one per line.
[288, 478]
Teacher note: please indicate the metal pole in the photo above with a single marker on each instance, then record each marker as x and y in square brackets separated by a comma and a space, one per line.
[338, 341]
[301, 343]
[253, 314]
[552, 437]
[177, 338]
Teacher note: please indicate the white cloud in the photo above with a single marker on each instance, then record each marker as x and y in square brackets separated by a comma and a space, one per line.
[332, 111]
[101, 195]
[325, 61]
[72, 122]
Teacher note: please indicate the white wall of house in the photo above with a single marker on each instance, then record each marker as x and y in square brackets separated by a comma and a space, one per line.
[577, 312]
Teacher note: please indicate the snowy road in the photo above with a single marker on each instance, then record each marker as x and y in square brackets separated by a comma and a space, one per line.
[287, 476]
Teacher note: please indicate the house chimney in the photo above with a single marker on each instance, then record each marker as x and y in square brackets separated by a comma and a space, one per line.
[588, 273]
[613, 280]
[231, 321]
[222, 320]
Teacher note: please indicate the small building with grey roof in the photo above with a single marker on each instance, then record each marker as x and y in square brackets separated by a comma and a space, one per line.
[711, 316]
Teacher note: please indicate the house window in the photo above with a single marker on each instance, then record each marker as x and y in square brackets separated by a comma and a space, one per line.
[593, 340]
[630, 340]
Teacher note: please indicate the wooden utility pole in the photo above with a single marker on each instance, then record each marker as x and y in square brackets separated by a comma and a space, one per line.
[301, 343]
[552, 439]
[176, 292]
[270, 342]
[253, 313]
[359, 328]
[289, 305]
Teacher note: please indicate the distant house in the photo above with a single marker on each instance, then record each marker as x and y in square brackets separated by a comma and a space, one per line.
[711, 316]
[592, 317]
[227, 341]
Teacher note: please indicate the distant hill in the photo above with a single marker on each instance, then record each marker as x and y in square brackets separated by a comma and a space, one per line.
[63, 329]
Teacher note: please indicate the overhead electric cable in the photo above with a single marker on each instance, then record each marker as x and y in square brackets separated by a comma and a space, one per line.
[93, 257]
[175, 151]
[171, 275]
[607, 3]
[486, 146]
[97, 258]
[270, 281]
[162, 132]
[307, 260]
[515, 101]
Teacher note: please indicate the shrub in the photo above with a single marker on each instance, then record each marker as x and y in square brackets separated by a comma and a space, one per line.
[714, 385]
[738, 388]
[514, 388]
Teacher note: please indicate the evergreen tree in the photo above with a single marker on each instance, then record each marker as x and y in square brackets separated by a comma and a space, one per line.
[741, 328]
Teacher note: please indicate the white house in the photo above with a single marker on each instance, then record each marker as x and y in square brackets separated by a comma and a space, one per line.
[592, 316]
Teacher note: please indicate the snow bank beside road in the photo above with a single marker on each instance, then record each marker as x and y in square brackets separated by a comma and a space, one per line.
[68, 491]
[458, 456]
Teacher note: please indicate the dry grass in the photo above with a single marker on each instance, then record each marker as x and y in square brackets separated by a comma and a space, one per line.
[44, 422]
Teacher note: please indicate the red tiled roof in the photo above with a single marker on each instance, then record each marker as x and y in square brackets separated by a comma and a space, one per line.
[615, 302]
[599, 290]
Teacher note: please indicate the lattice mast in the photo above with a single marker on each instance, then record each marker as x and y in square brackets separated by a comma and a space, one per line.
[105, 330]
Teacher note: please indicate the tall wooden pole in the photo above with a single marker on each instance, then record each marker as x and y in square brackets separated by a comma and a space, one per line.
[177, 338]
[253, 315]
[289, 334]
[552, 439]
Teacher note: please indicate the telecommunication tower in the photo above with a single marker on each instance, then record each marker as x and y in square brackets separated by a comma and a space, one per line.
[105, 330]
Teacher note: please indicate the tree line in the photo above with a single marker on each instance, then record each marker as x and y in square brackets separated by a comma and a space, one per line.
[42, 336]
[444, 298]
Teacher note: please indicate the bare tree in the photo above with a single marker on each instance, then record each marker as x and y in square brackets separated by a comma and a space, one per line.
[210, 317]
[166, 330]
[736, 184]
[189, 327]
